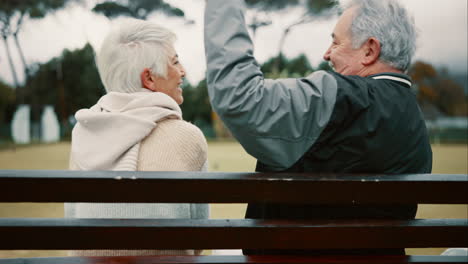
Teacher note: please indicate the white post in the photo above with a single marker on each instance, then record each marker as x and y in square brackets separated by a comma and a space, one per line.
[20, 125]
[50, 127]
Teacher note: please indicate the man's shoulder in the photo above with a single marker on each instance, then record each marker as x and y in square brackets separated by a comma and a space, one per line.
[321, 74]
[343, 84]
[339, 77]
[379, 78]
[341, 81]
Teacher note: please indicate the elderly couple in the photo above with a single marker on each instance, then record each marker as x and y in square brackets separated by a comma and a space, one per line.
[360, 118]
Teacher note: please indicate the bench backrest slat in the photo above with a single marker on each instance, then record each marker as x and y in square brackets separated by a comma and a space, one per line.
[204, 187]
[229, 234]
[243, 259]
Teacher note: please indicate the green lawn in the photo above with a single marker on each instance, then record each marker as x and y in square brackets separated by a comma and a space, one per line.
[223, 156]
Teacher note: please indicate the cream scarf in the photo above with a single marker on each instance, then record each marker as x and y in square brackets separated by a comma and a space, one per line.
[107, 136]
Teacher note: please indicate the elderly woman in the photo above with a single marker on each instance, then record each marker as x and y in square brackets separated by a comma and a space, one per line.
[137, 125]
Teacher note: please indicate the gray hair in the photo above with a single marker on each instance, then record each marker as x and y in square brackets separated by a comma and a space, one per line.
[391, 24]
[130, 48]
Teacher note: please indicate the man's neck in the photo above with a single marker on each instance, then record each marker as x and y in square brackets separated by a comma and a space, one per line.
[377, 68]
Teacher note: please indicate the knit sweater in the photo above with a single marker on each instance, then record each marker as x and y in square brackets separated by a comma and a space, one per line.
[172, 145]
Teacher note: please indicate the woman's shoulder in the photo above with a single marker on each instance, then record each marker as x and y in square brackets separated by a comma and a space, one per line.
[178, 124]
[179, 130]
[173, 145]
[176, 134]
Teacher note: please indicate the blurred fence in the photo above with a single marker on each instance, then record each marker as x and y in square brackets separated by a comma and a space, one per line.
[442, 131]
[448, 135]
[448, 130]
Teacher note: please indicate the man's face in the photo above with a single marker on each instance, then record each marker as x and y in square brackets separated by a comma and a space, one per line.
[344, 59]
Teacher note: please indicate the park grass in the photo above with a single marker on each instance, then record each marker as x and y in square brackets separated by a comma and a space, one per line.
[227, 156]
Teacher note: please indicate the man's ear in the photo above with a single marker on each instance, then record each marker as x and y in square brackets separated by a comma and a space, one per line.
[372, 50]
[147, 80]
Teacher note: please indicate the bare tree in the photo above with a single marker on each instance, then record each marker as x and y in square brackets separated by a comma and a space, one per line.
[12, 15]
[313, 10]
[5, 30]
[140, 9]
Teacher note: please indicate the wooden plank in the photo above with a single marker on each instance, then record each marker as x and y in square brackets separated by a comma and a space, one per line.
[242, 260]
[40, 233]
[211, 187]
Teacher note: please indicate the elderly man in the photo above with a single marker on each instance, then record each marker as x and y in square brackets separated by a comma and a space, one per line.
[362, 118]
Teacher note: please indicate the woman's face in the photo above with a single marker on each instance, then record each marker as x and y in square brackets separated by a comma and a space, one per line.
[171, 84]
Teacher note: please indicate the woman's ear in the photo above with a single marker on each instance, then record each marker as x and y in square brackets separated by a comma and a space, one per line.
[147, 80]
[372, 51]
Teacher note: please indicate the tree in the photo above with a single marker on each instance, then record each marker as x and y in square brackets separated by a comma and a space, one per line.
[424, 76]
[7, 100]
[281, 67]
[324, 66]
[262, 8]
[136, 8]
[12, 16]
[452, 100]
[313, 10]
[6, 14]
[439, 89]
[300, 65]
[197, 108]
[69, 82]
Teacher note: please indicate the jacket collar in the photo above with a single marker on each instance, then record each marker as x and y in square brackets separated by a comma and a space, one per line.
[401, 78]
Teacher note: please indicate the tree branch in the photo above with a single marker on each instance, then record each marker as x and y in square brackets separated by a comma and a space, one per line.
[304, 19]
[18, 23]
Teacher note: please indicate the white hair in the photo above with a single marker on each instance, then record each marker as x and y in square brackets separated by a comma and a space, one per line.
[130, 48]
[391, 24]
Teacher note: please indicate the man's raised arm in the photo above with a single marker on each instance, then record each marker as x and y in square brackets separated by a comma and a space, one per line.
[276, 121]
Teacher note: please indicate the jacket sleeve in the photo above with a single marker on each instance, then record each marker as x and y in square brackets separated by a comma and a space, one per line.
[276, 121]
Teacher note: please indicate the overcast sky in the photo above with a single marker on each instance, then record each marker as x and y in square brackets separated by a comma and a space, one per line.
[442, 41]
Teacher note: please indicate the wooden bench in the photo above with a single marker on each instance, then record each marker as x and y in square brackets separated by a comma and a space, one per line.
[203, 187]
